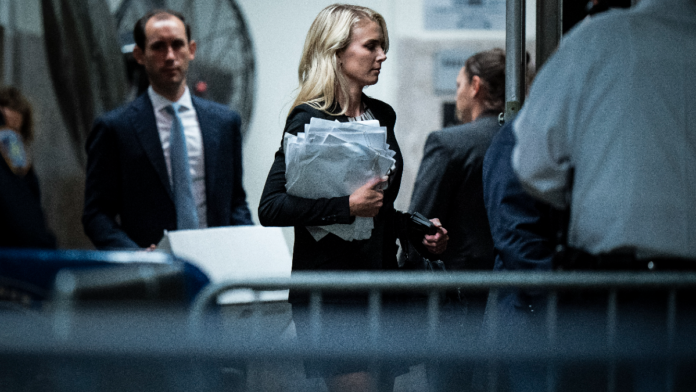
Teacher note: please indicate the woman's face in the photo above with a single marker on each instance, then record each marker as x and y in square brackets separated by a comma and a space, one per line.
[13, 119]
[362, 60]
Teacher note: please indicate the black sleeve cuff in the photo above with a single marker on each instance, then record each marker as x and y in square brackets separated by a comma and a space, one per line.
[341, 215]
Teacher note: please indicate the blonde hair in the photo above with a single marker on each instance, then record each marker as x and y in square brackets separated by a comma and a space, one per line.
[330, 33]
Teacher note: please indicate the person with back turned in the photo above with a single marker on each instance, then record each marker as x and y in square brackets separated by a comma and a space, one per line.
[617, 144]
[449, 186]
[609, 132]
[168, 160]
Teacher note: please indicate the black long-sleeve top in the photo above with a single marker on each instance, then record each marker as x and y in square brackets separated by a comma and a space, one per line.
[22, 222]
[277, 208]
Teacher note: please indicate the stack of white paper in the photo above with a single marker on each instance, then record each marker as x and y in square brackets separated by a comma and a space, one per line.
[333, 159]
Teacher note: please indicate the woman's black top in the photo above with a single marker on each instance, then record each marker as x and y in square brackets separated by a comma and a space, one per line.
[277, 208]
[22, 223]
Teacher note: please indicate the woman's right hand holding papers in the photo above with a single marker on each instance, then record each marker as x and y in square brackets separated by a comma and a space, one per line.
[367, 200]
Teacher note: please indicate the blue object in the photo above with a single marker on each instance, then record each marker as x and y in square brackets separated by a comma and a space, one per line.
[12, 149]
[186, 213]
[37, 269]
[524, 233]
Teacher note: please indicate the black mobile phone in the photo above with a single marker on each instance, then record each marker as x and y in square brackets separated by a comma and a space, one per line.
[2, 119]
[423, 224]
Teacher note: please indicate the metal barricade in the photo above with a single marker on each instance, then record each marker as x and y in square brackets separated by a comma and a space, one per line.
[494, 346]
[433, 283]
[187, 349]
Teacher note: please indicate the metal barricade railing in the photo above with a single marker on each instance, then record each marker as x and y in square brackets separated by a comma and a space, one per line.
[146, 336]
[554, 285]
[433, 283]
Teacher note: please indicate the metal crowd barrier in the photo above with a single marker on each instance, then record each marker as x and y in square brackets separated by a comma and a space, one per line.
[434, 283]
[184, 346]
[547, 345]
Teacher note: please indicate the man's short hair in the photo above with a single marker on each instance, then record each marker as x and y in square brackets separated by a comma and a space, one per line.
[159, 14]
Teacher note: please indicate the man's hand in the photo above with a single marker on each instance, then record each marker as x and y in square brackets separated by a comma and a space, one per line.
[436, 243]
[366, 200]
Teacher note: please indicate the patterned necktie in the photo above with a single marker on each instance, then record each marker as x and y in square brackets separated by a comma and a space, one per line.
[186, 213]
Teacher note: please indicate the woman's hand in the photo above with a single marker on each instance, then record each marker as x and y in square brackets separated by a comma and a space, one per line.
[366, 200]
[436, 243]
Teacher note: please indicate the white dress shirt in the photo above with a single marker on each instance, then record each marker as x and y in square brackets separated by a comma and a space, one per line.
[617, 102]
[194, 144]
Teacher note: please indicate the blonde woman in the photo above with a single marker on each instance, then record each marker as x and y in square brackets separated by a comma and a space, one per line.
[343, 52]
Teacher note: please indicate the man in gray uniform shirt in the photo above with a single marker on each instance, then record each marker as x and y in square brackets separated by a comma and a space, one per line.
[619, 112]
[615, 105]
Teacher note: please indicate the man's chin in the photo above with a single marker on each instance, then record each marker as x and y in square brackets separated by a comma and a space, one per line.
[170, 83]
[168, 87]
[173, 82]
[170, 77]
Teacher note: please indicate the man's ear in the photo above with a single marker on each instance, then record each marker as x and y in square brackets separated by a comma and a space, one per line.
[138, 54]
[192, 50]
[476, 86]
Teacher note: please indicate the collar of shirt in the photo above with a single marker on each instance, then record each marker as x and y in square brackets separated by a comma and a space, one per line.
[159, 102]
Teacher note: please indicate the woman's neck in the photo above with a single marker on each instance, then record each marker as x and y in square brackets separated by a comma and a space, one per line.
[354, 107]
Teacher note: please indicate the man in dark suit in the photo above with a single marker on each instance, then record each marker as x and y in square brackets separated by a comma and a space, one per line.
[168, 160]
[449, 186]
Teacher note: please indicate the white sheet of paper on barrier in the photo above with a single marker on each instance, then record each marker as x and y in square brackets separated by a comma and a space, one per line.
[234, 252]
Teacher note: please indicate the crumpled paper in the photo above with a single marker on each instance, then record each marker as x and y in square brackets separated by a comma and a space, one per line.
[333, 159]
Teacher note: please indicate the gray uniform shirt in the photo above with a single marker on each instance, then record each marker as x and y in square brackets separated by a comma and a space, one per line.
[617, 102]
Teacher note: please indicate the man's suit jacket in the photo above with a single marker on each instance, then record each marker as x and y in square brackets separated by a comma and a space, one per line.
[449, 187]
[128, 198]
